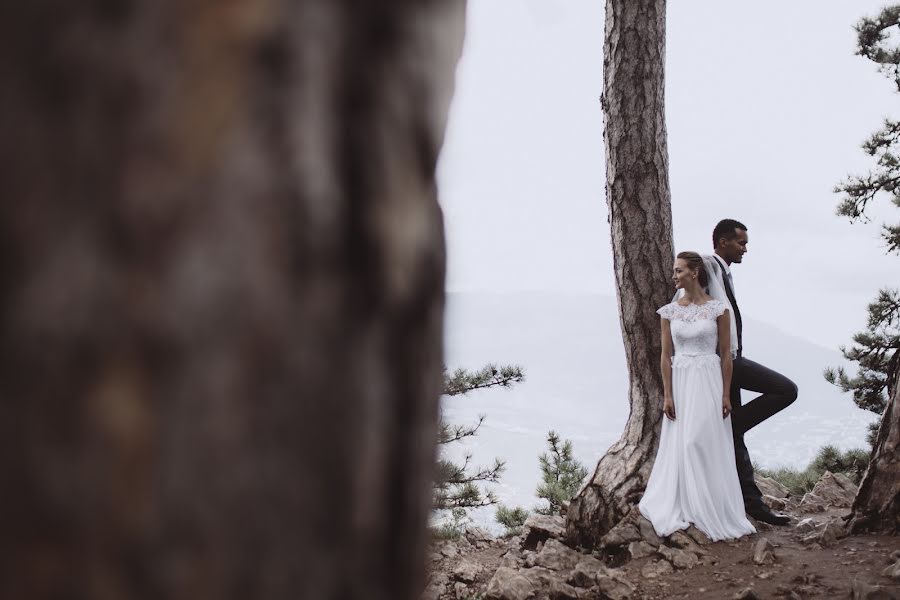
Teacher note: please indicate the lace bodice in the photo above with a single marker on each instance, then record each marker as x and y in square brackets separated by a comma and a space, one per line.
[694, 328]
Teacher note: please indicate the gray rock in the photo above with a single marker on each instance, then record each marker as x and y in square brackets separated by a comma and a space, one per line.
[540, 576]
[640, 549]
[770, 487]
[647, 532]
[812, 503]
[657, 568]
[466, 571]
[461, 591]
[763, 551]
[893, 571]
[826, 535]
[836, 526]
[479, 537]
[557, 557]
[860, 590]
[540, 528]
[698, 536]
[835, 490]
[681, 539]
[614, 585]
[806, 526]
[509, 584]
[680, 559]
[774, 503]
[435, 587]
[563, 591]
[621, 535]
[432, 592]
[448, 549]
[746, 594]
[512, 558]
[584, 575]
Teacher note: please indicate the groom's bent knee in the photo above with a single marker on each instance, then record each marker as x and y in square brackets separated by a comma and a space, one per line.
[788, 391]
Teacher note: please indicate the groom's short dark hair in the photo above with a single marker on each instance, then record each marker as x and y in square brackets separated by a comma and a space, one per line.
[726, 228]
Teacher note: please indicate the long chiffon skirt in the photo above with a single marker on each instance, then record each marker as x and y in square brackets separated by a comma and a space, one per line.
[694, 478]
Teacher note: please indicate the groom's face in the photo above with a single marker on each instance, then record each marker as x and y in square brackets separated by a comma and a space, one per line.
[733, 249]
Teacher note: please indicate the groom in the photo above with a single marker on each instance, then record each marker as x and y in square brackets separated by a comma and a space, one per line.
[776, 390]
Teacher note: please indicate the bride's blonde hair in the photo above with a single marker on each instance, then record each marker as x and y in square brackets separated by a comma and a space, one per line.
[695, 263]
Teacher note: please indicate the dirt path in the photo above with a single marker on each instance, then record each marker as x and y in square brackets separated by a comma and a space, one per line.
[799, 569]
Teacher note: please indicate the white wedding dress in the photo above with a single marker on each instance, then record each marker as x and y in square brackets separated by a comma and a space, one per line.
[694, 479]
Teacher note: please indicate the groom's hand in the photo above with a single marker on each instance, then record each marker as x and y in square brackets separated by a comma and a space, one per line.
[726, 406]
[669, 409]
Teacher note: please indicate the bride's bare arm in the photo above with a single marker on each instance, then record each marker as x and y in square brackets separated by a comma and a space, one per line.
[724, 324]
[665, 366]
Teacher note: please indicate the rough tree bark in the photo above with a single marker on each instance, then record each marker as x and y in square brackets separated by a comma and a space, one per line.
[640, 218]
[877, 503]
[221, 295]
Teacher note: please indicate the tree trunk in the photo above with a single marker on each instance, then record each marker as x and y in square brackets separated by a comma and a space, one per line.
[877, 503]
[221, 296]
[640, 218]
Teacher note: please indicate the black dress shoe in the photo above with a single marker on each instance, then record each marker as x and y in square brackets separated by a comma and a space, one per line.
[767, 516]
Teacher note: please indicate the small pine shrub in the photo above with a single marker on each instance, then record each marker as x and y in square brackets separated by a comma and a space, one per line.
[561, 474]
[511, 518]
[454, 528]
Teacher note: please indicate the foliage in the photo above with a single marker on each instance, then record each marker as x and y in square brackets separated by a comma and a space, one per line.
[851, 463]
[884, 144]
[875, 350]
[457, 485]
[797, 481]
[463, 381]
[454, 528]
[511, 518]
[562, 475]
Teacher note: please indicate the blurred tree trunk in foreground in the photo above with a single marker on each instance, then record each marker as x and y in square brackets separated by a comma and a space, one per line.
[640, 218]
[221, 293]
[877, 504]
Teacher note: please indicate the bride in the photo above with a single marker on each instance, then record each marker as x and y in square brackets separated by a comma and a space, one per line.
[694, 479]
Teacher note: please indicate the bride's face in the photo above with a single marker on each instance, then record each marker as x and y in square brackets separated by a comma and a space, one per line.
[681, 274]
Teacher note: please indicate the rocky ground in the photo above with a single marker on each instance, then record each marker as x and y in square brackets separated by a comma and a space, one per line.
[811, 558]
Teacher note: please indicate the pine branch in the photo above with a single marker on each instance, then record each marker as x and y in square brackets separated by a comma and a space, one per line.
[463, 381]
[871, 35]
[455, 484]
[448, 434]
[884, 144]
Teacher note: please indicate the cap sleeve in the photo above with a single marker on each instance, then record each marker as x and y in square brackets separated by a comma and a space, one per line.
[719, 308]
[667, 311]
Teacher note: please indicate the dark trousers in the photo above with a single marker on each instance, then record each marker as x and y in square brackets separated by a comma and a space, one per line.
[776, 393]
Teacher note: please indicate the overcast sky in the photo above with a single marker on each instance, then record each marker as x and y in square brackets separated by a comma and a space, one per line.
[766, 107]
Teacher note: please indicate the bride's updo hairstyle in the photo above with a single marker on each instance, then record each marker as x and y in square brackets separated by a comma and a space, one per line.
[695, 263]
